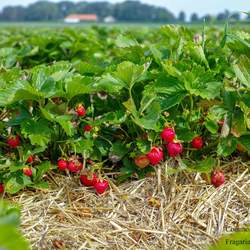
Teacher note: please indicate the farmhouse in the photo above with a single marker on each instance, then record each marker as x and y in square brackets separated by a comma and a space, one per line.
[77, 18]
[109, 19]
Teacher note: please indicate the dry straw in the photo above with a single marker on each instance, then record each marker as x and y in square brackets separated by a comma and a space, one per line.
[183, 213]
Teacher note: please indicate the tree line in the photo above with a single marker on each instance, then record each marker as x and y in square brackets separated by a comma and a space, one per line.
[130, 11]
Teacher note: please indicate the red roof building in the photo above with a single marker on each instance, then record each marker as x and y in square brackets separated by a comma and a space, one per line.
[76, 18]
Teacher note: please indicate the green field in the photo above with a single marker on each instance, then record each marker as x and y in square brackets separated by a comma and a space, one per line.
[117, 24]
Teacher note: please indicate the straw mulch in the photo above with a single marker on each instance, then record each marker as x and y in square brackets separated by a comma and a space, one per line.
[183, 212]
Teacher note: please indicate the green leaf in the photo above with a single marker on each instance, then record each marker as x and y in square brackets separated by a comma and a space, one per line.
[197, 53]
[246, 99]
[199, 82]
[185, 134]
[129, 73]
[130, 106]
[9, 214]
[20, 90]
[143, 145]
[123, 41]
[227, 146]
[65, 122]
[204, 166]
[87, 68]
[47, 115]
[169, 91]
[206, 90]
[83, 146]
[149, 119]
[78, 85]
[109, 84]
[119, 149]
[238, 122]
[11, 239]
[116, 117]
[242, 70]
[38, 132]
[244, 140]
[40, 185]
[211, 126]
[229, 100]
[157, 54]
[22, 114]
[16, 183]
[127, 170]
[41, 170]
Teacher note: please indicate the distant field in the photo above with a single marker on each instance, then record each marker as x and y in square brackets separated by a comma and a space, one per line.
[118, 25]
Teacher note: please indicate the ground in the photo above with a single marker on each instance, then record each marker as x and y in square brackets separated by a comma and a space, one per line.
[184, 213]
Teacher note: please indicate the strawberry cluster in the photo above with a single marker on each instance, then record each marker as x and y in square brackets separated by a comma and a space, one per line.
[174, 148]
[88, 179]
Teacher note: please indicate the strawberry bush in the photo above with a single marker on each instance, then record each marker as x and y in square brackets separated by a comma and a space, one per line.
[87, 101]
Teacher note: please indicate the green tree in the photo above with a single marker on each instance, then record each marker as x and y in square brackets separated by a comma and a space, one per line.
[194, 18]
[16, 13]
[66, 8]
[182, 17]
[42, 10]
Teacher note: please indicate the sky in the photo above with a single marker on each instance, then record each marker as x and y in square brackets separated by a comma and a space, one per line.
[189, 6]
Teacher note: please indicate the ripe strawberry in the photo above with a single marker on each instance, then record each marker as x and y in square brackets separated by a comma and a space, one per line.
[62, 164]
[168, 134]
[142, 161]
[88, 181]
[27, 171]
[1, 188]
[217, 178]
[80, 110]
[101, 186]
[14, 141]
[174, 149]
[155, 155]
[75, 166]
[197, 142]
[30, 159]
[87, 128]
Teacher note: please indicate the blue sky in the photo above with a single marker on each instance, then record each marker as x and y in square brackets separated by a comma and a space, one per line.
[189, 6]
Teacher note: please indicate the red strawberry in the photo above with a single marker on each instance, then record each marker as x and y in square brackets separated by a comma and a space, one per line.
[62, 164]
[80, 110]
[30, 159]
[75, 166]
[88, 181]
[174, 149]
[14, 141]
[142, 161]
[168, 134]
[217, 178]
[155, 155]
[101, 186]
[27, 171]
[197, 142]
[87, 128]
[1, 188]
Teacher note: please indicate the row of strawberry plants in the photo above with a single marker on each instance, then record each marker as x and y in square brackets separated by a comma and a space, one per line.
[175, 94]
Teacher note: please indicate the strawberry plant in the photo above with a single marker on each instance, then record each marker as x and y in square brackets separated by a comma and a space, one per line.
[126, 101]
